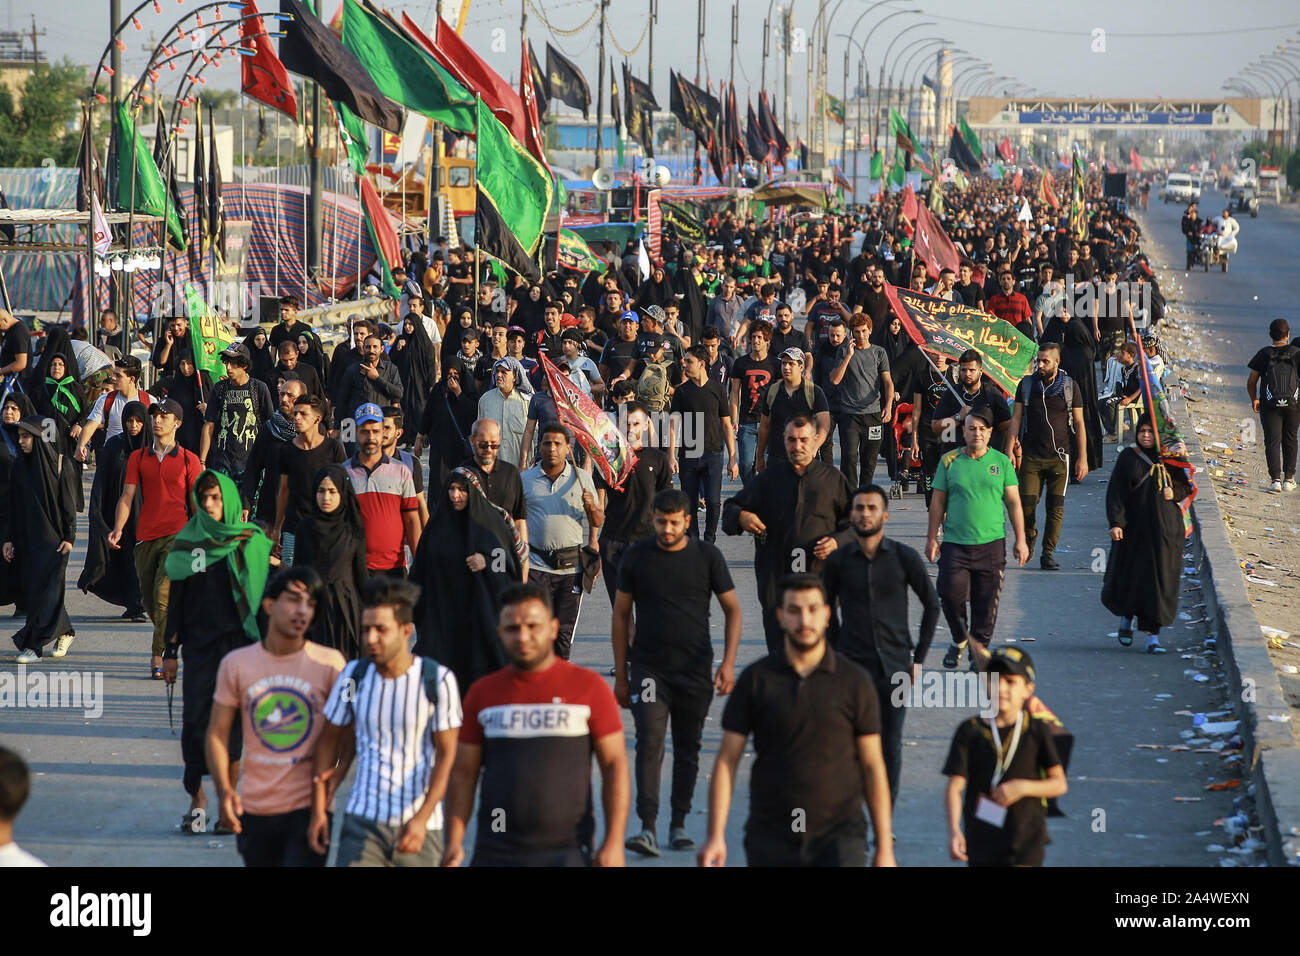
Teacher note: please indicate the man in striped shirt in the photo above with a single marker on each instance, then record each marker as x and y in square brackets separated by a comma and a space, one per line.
[404, 712]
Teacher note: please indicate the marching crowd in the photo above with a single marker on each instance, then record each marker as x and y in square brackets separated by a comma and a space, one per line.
[274, 530]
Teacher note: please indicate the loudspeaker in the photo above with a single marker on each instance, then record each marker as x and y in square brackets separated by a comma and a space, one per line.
[620, 198]
[268, 310]
[1115, 185]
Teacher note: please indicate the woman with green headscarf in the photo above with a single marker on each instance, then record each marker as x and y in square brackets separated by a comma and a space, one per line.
[218, 567]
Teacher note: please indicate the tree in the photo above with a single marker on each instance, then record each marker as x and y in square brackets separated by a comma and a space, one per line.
[45, 124]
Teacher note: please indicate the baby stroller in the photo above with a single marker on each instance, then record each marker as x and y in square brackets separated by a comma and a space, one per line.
[906, 468]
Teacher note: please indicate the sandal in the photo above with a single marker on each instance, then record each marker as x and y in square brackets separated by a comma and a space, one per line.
[1126, 636]
[156, 672]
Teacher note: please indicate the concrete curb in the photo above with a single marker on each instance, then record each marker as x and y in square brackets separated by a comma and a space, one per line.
[1270, 744]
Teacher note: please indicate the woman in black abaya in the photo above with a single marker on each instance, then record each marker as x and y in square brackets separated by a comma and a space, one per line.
[263, 366]
[109, 573]
[16, 407]
[333, 541]
[41, 528]
[1147, 533]
[312, 352]
[1078, 355]
[191, 388]
[468, 555]
[412, 353]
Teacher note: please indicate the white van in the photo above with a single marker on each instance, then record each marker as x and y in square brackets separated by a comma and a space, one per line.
[1183, 188]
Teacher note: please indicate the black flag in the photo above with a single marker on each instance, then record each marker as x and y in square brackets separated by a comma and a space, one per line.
[639, 101]
[203, 233]
[961, 154]
[216, 210]
[755, 142]
[541, 85]
[614, 113]
[697, 110]
[767, 121]
[310, 49]
[494, 237]
[565, 82]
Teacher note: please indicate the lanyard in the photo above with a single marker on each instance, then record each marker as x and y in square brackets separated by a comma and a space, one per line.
[1004, 760]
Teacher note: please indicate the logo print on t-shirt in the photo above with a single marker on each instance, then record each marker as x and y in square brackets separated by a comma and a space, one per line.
[282, 718]
[995, 470]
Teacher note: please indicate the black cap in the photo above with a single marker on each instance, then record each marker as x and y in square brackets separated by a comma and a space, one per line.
[1012, 660]
[573, 334]
[170, 406]
[237, 352]
[983, 413]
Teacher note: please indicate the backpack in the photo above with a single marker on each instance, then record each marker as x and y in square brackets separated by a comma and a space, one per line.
[808, 392]
[652, 388]
[428, 674]
[144, 398]
[1025, 390]
[1281, 384]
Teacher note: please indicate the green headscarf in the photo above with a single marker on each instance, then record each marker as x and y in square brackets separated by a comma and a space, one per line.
[246, 549]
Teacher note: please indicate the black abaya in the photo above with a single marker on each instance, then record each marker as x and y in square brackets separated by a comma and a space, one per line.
[446, 422]
[43, 514]
[11, 591]
[1078, 353]
[1143, 572]
[412, 353]
[456, 617]
[335, 545]
[109, 573]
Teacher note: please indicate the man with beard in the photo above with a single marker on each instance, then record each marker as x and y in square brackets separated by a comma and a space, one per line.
[261, 476]
[869, 580]
[372, 381]
[816, 727]
[346, 355]
[797, 509]
[670, 579]
[500, 478]
[975, 391]
[871, 297]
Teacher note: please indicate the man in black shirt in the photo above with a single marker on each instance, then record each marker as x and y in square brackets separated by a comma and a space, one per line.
[869, 579]
[751, 377]
[949, 416]
[237, 408]
[291, 364]
[1047, 421]
[872, 299]
[620, 358]
[784, 335]
[972, 293]
[700, 423]
[15, 348]
[501, 482]
[826, 359]
[816, 727]
[1274, 374]
[798, 512]
[628, 511]
[288, 328]
[669, 579]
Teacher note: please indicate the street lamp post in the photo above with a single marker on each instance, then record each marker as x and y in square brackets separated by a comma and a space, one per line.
[916, 49]
[889, 49]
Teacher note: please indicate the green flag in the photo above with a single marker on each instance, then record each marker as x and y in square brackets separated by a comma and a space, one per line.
[574, 253]
[936, 198]
[1078, 212]
[898, 173]
[902, 132]
[405, 73]
[139, 183]
[515, 183]
[971, 139]
[353, 133]
[834, 108]
[877, 170]
[208, 335]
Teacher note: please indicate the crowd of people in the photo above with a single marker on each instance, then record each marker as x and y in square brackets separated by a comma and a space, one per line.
[273, 530]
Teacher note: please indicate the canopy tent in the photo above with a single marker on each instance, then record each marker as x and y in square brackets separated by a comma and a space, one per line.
[791, 194]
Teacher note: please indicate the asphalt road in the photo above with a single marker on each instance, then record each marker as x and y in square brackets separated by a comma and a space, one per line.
[107, 789]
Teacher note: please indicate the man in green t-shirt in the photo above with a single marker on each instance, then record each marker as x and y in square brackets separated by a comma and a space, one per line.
[973, 485]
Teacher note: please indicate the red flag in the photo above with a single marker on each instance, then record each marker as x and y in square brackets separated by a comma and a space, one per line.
[263, 76]
[385, 234]
[932, 243]
[456, 56]
[1005, 150]
[907, 211]
[1134, 159]
[591, 427]
[1017, 183]
[532, 124]
[1046, 192]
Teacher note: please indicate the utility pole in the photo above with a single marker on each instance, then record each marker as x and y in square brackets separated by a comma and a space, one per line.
[821, 16]
[844, 146]
[650, 62]
[786, 14]
[767, 36]
[434, 225]
[600, 93]
[115, 96]
[734, 170]
[36, 57]
[699, 52]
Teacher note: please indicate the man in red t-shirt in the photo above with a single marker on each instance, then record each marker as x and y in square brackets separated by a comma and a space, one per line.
[1011, 306]
[164, 473]
[531, 729]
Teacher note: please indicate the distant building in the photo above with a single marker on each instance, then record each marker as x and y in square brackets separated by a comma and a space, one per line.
[17, 60]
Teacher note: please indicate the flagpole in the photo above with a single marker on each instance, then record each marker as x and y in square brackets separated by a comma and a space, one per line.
[167, 193]
[88, 187]
[130, 226]
[478, 240]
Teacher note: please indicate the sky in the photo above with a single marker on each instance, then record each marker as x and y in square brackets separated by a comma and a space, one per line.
[1158, 48]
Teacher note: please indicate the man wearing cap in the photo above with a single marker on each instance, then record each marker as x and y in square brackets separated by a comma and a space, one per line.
[620, 359]
[654, 323]
[507, 405]
[1001, 773]
[794, 395]
[385, 491]
[237, 408]
[972, 487]
[163, 473]
[373, 380]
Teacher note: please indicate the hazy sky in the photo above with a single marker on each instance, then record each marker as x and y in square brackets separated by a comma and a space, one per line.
[1171, 48]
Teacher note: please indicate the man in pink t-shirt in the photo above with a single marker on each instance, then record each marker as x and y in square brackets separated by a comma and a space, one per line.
[278, 688]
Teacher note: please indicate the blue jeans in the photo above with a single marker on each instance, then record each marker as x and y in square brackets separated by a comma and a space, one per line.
[747, 447]
[703, 474]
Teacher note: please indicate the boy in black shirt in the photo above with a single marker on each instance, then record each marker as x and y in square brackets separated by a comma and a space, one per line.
[1000, 772]
[699, 426]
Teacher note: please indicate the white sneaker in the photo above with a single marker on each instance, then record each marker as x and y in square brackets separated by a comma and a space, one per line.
[1288, 485]
[28, 656]
[61, 648]
[1275, 487]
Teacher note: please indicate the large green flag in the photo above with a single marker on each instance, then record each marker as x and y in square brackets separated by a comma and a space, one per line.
[877, 170]
[902, 132]
[405, 73]
[139, 183]
[1078, 212]
[208, 335]
[515, 183]
[971, 139]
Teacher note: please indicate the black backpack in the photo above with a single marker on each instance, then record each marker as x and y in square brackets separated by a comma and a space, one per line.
[428, 673]
[1281, 383]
